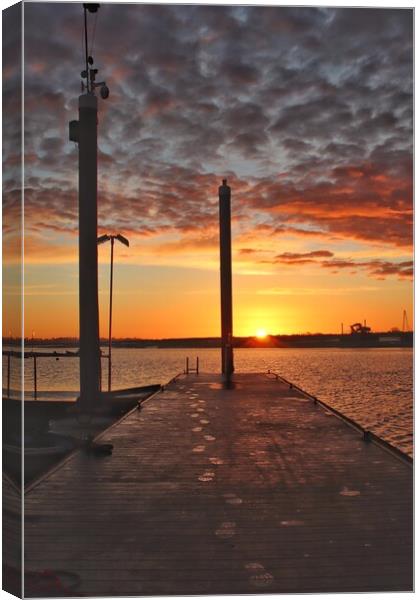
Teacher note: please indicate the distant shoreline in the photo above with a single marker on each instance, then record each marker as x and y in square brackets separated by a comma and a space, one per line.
[371, 340]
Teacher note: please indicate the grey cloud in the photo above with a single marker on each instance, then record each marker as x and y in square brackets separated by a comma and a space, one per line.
[253, 91]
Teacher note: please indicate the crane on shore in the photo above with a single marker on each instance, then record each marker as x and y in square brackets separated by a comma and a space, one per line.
[359, 329]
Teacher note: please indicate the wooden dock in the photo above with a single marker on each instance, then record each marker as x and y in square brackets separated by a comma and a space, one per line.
[209, 490]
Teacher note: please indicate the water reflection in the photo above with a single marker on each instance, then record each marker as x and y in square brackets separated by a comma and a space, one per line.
[372, 386]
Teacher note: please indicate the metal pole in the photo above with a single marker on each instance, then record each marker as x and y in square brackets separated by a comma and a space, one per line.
[100, 369]
[88, 253]
[187, 369]
[110, 315]
[226, 279]
[35, 379]
[86, 49]
[8, 375]
[196, 366]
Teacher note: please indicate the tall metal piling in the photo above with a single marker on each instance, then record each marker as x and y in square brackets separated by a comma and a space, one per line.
[88, 252]
[226, 279]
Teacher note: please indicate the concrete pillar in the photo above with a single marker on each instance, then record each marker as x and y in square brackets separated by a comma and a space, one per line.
[88, 253]
[226, 279]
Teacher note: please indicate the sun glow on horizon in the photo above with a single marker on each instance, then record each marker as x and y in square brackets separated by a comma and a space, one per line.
[261, 334]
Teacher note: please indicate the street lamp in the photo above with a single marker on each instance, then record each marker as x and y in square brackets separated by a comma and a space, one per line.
[101, 240]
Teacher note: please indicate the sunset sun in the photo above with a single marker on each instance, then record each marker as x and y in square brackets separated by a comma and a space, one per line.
[261, 334]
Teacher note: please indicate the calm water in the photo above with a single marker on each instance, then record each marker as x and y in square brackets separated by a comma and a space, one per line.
[373, 386]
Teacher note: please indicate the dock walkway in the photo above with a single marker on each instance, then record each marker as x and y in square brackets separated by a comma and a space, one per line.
[208, 490]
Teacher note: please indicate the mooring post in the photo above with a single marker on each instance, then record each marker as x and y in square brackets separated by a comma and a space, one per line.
[187, 365]
[196, 365]
[226, 279]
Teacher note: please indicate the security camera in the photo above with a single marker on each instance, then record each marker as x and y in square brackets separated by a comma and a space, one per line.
[104, 92]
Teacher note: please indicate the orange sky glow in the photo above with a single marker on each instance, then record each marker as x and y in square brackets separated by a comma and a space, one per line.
[317, 149]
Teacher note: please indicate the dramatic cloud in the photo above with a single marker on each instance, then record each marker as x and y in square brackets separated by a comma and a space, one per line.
[308, 111]
[246, 251]
[379, 269]
[303, 257]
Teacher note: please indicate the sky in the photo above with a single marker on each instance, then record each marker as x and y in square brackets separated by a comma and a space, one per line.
[306, 111]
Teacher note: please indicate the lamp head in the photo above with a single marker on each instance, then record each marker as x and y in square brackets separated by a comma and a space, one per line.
[123, 240]
[103, 238]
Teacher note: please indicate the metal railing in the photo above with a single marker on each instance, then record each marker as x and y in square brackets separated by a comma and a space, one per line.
[57, 355]
[189, 369]
[34, 356]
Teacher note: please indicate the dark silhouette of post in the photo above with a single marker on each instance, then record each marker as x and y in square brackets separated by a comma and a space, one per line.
[226, 279]
[111, 286]
[88, 253]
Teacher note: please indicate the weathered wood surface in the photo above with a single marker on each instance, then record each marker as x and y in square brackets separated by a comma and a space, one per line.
[226, 491]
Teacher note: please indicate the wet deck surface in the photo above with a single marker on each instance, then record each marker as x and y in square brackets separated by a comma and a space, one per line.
[208, 491]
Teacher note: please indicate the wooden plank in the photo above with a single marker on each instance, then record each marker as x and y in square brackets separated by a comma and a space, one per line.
[227, 491]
